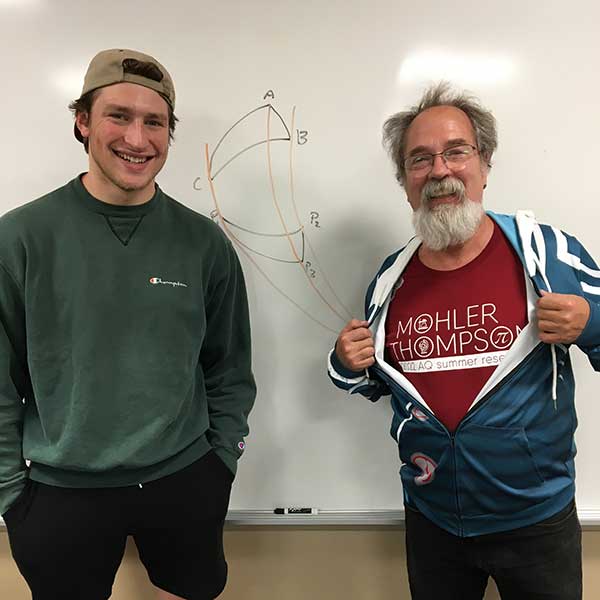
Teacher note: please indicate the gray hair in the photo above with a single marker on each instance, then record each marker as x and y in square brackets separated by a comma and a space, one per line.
[441, 94]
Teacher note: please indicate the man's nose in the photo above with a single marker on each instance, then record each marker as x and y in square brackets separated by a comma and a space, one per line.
[439, 168]
[134, 135]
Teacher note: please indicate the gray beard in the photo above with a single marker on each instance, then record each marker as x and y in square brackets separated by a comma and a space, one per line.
[448, 224]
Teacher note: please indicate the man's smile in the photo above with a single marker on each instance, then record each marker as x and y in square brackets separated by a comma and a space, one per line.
[132, 159]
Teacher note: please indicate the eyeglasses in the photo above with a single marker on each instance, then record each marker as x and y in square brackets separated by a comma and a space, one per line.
[452, 157]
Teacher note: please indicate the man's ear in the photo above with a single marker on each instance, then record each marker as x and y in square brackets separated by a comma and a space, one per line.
[486, 165]
[82, 121]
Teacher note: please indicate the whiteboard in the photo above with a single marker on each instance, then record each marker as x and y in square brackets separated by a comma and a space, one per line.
[345, 67]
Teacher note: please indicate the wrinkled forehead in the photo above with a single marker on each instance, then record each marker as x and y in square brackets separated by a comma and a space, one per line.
[437, 127]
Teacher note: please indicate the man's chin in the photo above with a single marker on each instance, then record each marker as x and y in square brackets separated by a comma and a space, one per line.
[131, 186]
[448, 224]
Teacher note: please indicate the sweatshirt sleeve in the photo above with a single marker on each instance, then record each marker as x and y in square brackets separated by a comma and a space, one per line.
[13, 378]
[226, 359]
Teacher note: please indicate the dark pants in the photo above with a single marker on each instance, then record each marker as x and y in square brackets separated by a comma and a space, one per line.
[539, 562]
[68, 543]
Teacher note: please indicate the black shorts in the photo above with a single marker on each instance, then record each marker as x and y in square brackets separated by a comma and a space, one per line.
[68, 542]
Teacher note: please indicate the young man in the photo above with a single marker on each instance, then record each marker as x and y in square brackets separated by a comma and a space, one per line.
[125, 372]
[468, 328]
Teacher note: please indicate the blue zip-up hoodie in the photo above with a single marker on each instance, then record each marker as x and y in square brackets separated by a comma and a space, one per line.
[510, 461]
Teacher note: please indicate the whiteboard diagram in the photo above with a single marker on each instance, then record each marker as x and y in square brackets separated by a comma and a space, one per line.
[250, 172]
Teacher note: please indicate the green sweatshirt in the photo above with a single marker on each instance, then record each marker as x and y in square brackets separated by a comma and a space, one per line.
[124, 342]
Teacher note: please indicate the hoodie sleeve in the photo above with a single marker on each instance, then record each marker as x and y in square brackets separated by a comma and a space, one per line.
[225, 358]
[564, 266]
[357, 382]
[13, 383]
[588, 275]
[354, 382]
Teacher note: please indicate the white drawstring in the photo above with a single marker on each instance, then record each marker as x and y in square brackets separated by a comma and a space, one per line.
[535, 263]
[552, 346]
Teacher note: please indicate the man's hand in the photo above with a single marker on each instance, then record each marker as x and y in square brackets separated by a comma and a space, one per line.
[561, 317]
[354, 346]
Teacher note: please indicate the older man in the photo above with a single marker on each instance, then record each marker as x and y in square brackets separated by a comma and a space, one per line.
[125, 381]
[468, 328]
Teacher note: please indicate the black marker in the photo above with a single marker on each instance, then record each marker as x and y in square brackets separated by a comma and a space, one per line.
[296, 511]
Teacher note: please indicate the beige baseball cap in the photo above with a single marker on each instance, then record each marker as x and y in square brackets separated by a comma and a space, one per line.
[115, 66]
[110, 66]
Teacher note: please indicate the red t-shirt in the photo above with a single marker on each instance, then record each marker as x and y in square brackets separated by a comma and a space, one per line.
[447, 331]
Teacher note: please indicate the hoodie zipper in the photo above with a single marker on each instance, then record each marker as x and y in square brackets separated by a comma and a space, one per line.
[456, 498]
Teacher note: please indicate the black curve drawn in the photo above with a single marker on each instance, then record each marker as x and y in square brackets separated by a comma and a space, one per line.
[286, 139]
[281, 260]
[247, 250]
[261, 233]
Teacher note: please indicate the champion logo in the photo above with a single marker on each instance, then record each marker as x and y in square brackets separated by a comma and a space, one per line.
[427, 466]
[159, 281]
[241, 445]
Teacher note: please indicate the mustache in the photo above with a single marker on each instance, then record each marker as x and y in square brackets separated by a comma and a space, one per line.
[442, 187]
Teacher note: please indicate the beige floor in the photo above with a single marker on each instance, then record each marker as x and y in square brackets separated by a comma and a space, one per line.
[299, 564]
